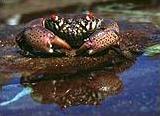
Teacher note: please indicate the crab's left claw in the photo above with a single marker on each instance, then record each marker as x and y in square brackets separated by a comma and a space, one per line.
[99, 41]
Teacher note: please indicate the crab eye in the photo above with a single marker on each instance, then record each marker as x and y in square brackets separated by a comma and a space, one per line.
[54, 17]
[89, 16]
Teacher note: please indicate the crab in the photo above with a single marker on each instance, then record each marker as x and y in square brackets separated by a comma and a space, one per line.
[84, 33]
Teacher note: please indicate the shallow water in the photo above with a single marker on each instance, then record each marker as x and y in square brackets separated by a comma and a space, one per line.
[136, 92]
[139, 96]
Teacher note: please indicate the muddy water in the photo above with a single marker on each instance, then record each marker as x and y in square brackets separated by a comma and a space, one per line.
[129, 89]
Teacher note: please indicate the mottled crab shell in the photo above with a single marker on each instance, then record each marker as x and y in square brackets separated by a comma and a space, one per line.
[68, 31]
[74, 29]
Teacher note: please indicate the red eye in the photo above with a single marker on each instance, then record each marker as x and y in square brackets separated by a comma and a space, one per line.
[54, 17]
[90, 16]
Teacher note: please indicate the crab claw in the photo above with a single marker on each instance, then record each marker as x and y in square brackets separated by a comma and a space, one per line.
[98, 41]
[41, 40]
[59, 42]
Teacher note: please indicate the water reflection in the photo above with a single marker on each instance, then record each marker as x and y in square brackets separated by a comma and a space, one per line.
[83, 88]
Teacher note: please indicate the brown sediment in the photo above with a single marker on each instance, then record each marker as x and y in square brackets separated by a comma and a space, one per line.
[136, 36]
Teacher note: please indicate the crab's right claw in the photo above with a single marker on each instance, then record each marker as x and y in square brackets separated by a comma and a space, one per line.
[59, 42]
[40, 39]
